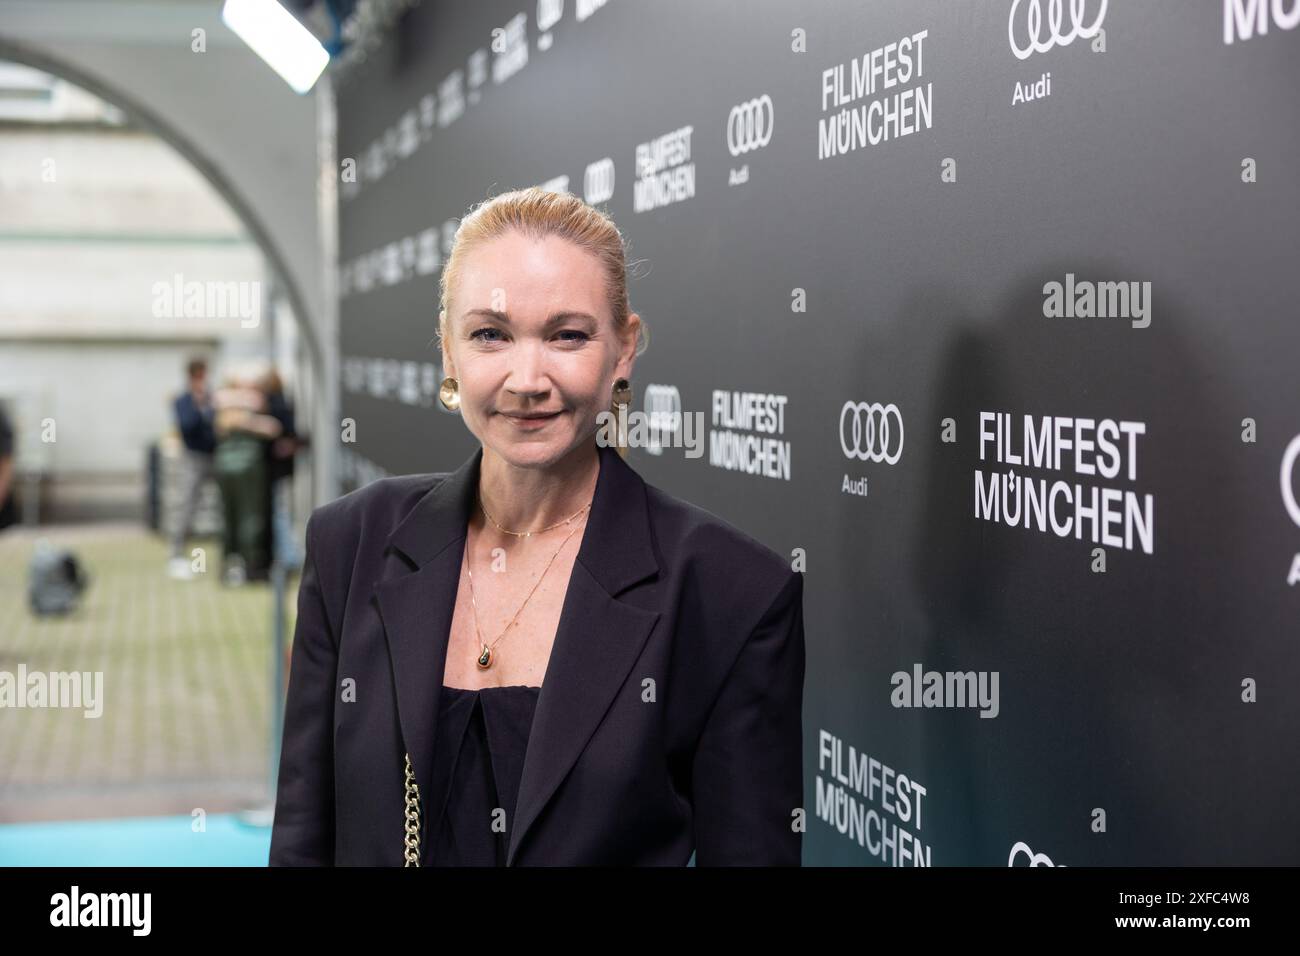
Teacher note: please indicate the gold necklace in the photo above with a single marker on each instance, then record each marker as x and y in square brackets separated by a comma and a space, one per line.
[525, 534]
[486, 656]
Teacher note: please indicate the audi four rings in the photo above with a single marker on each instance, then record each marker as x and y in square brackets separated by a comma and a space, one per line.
[749, 125]
[869, 443]
[1034, 21]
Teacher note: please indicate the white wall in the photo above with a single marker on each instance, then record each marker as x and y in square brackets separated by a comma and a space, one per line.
[231, 115]
[82, 255]
[109, 400]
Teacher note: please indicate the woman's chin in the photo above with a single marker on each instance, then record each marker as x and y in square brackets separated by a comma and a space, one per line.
[532, 449]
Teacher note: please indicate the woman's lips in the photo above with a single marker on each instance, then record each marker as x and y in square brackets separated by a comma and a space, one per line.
[533, 421]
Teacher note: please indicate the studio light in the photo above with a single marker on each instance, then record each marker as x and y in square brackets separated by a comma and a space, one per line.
[274, 34]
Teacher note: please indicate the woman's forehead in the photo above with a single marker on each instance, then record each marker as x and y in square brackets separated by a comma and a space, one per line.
[531, 261]
[531, 280]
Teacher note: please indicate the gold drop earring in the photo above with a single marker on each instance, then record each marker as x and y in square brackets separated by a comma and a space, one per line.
[449, 393]
[622, 397]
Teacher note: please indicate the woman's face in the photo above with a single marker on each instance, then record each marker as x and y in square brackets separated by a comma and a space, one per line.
[531, 334]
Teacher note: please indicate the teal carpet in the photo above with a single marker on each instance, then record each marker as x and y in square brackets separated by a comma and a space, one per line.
[135, 841]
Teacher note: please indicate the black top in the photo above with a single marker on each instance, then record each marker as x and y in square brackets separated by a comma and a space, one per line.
[477, 764]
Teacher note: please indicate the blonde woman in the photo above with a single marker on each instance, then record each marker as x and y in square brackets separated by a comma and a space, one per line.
[539, 659]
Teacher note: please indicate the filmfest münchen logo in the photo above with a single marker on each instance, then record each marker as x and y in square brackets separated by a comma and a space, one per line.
[878, 807]
[867, 100]
[1102, 453]
[748, 433]
[665, 171]
[1036, 27]
[1243, 19]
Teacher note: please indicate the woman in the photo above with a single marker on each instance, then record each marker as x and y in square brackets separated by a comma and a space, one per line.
[539, 659]
[243, 431]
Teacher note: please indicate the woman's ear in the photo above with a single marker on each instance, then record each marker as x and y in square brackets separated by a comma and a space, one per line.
[448, 370]
[627, 350]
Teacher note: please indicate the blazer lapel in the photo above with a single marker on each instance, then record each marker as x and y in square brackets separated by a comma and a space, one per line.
[596, 643]
[416, 608]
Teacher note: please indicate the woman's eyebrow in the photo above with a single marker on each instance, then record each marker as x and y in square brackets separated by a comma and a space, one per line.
[555, 318]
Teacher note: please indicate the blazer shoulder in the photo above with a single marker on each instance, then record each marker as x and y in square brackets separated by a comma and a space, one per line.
[688, 532]
[374, 508]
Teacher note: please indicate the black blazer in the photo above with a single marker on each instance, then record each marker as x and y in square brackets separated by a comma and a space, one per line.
[670, 713]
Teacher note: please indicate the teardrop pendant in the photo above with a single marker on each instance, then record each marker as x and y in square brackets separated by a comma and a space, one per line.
[485, 659]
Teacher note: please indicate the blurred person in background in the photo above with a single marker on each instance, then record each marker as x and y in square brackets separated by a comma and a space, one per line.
[279, 465]
[244, 430]
[194, 420]
[8, 510]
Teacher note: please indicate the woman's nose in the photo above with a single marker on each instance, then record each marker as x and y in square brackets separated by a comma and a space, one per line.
[527, 368]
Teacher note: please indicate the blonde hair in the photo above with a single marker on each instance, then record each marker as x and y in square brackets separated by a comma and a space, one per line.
[537, 213]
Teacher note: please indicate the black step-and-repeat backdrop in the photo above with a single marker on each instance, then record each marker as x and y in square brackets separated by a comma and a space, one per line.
[983, 312]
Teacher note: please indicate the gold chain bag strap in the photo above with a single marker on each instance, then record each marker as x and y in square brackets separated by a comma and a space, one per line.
[412, 843]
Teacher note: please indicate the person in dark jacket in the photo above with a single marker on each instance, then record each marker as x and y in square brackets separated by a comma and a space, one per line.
[194, 420]
[8, 510]
[280, 455]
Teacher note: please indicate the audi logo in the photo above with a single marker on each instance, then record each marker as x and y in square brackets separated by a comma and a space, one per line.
[1040, 42]
[870, 441]
[1288, 467]
[749, 125]
[1035, 859]
[663, 408]
[598, 181]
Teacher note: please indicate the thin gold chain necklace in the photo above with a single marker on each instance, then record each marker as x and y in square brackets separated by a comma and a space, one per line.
[525, 534]
[486, 656]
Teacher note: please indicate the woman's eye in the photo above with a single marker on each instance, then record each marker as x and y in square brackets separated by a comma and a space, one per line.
[483, 333]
